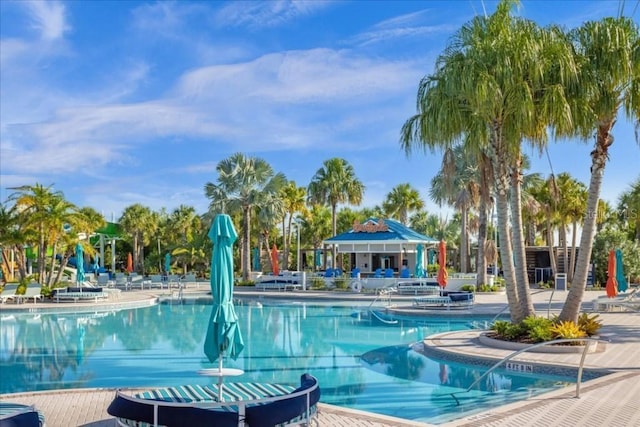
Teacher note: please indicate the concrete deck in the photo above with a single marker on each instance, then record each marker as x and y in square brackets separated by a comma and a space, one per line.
[611, 400]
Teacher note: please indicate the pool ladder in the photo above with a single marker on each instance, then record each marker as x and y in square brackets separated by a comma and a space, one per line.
[514, 354]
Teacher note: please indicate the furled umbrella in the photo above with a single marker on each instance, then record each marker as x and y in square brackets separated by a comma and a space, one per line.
[96, 266]
[223, 333]
[419, 270]
[491, 254]
[442, 261]
[274, 260]
[79, 264]
[620, 279]
[129, 262]
[256, 259]
[167, 263]
[612, 284]
[318, 258]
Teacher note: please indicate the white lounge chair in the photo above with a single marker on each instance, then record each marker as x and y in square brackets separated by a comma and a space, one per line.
[189, 279]
[173, 280]
[156, 281]
[34, 291]
[9, 292]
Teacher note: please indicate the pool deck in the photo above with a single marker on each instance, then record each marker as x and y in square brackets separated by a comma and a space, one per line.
[612, 400]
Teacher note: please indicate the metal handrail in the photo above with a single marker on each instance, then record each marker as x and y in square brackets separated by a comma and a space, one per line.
[514, 354]
[386, 292]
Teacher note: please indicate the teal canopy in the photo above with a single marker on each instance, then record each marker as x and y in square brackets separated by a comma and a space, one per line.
[419, 271]
[223, 334]
[256, 260]
[79, 263]
[622, 281]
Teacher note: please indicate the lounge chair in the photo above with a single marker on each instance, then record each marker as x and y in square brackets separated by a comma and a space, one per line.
[136, 281]
[130, 410]
[625, 301]
[122, 281]
[173, 280]
[9, 292]
[156, 281]
[189, 279]
[34, 290]
[104, 281]
[17, 415]
[296, 408]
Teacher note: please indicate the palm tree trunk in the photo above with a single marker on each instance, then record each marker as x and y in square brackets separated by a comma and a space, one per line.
[285, 244]
[519, 251]
[572, 264]
[599, 156]
[552, 254]
[245, 256]
[500, 160]
[464, 240]
[481, 263]
[565, 249]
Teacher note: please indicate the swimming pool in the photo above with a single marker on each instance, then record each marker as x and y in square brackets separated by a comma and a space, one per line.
[361, 361]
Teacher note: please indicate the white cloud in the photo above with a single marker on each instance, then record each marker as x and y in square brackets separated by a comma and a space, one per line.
[48, 18]
[260, 14]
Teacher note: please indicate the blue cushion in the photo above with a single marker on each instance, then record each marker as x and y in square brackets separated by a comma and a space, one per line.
[280, 411]
[171, 416]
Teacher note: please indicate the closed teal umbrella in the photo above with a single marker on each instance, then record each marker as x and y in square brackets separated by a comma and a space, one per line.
[256, 259]
[223, 334]
[80, 264]
[419, 271]
[167, 263]
[622, 281]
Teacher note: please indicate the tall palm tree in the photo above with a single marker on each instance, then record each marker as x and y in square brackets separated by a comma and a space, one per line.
[317, 226]
[609, 51]
[12, 240]
[334, 183]
[402, 200]
[456, 184]
[182, 227]
[140, 223]
[500, 81]
[243, 183]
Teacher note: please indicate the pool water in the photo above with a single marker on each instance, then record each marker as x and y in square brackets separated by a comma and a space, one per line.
[361, 361]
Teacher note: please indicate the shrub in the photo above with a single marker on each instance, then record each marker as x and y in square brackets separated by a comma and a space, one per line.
[317, 283]
[468, 288]
[341, 282]
[539, 328]
[509, 331]
[567, 330]
[590, 325]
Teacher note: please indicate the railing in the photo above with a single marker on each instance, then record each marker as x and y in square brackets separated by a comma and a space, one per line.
[386, 292]
[533, 293]
[512, 355]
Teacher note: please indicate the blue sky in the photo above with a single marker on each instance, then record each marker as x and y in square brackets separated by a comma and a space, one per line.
[122, 102]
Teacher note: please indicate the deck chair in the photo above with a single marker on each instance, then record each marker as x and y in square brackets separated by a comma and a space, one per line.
[378, 273]
[189, 279]
[34, 291]
[156, 281]
[296, 408]
[122, 281]
[388, 273]
[9, 292]
[17, 415]
[130, 410]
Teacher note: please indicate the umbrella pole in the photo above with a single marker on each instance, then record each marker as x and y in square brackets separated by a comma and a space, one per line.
[220, 379]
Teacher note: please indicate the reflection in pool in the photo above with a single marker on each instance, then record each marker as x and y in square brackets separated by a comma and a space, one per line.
[361, 361]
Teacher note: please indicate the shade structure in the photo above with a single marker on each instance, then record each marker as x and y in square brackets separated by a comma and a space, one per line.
[256, 260]
[442, 261]
[274, 260]
[419, 270]
[620, 279]
[79, 263]
[129, 262]
[223, 334]
[167, 263]
[612, 284]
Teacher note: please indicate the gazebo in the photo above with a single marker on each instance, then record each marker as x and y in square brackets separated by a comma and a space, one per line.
[381, 244]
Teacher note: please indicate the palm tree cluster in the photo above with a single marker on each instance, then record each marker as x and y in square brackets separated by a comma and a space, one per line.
[504, 82]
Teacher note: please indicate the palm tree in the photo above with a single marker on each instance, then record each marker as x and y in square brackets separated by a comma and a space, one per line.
[140, 223]
[335, 182]
[573, 196]
[317, 225]
[609, 51]
[182, 227]
[243, 183]
[294, 199]
[455, 184]
[269, 213]
[402, 199]
[501, 80]
[629, 209]
[12, 240]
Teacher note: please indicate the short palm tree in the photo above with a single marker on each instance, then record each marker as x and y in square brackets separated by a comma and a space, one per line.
[402, 200]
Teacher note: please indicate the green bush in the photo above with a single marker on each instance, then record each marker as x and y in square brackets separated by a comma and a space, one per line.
[538, 328]
[468, 288]
[341, 283]
[317, 283]
[590, 325]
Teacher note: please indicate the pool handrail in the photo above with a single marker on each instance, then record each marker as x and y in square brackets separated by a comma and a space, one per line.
[532, 346]
[506, 307]
[387, 293]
